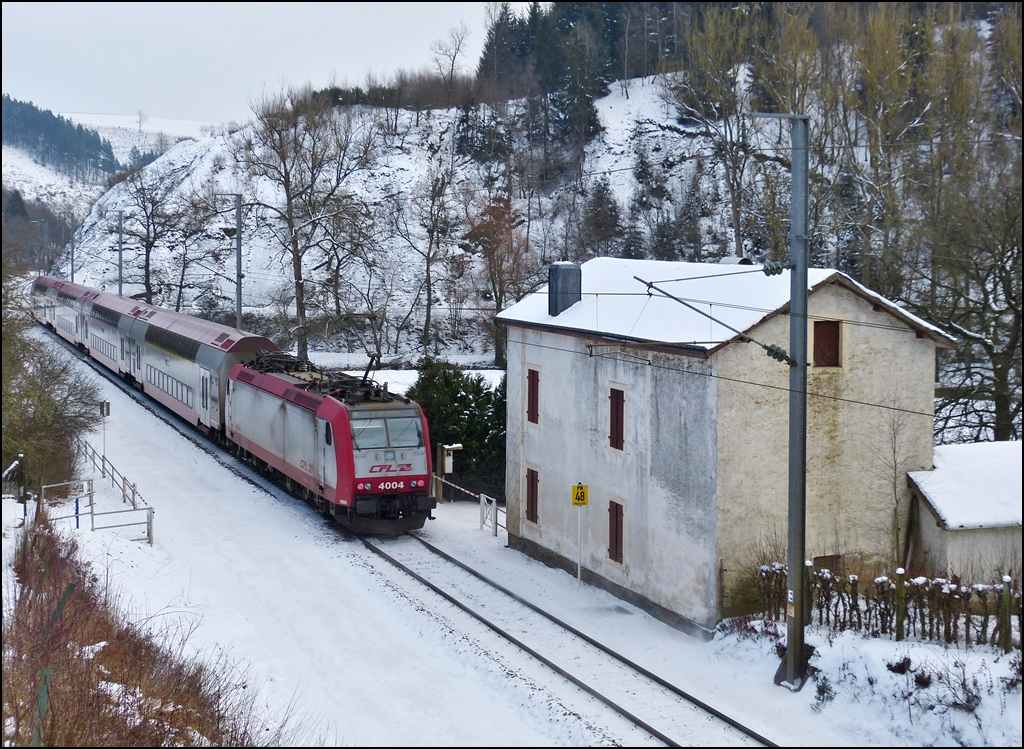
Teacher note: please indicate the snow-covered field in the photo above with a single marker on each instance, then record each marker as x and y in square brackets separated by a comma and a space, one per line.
[124, 133]
[372, 658]
[38, 183]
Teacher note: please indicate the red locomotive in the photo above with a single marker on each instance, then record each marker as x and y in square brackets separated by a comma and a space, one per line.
[356, 451]
[344, 442]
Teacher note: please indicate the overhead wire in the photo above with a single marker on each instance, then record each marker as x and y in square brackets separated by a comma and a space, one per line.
[769, 386]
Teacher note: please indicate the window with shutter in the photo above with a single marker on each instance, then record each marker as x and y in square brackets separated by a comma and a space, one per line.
[533, 396]
[616, 419]
[532, 481]
[615, 532]
[826, 343]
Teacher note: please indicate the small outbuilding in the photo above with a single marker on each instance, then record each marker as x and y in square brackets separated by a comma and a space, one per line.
[676, 421]
[966, 512]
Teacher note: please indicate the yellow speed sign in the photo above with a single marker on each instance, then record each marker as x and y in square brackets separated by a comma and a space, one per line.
[579, 495]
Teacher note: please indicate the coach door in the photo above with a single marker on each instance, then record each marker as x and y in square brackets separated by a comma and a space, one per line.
[326, 464]
[134, 351]
[205, 388]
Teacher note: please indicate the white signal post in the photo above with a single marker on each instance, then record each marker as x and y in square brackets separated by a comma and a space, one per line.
[579, 499]
[104, 413]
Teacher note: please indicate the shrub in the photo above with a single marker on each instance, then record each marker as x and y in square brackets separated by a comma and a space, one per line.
[104, 681]
[461, 408]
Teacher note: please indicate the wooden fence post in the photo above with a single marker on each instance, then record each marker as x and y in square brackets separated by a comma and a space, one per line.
[1005, 616]
[901, 604]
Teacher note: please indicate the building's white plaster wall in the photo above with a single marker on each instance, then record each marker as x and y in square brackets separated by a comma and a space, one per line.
[930, 544]
[974, 555]
[665, 476]
[851, 470]
[983, 555]
[515, 419]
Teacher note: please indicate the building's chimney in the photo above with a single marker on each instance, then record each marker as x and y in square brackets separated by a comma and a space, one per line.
[565, 287]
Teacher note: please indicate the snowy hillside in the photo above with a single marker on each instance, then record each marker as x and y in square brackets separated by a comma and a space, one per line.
[38, 183]
[124, 132]
[384, 278]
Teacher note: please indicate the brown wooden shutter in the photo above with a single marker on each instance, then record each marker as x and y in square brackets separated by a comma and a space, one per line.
[616, 418]
[532, 480]
[615, 531]
[826, 343]
[533, 396]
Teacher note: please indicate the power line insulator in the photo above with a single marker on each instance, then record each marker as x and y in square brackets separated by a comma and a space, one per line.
[774, 267]
[778, 353]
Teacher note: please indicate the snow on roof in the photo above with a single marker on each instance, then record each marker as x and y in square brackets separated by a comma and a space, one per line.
[615, 304]
[974, 486]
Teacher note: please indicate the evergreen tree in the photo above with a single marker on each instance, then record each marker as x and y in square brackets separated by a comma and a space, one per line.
[57, 142]
[602, 228]
[15, 206]
[461, 408]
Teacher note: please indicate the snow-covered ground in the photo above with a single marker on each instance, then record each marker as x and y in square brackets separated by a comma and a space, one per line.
[124, 133]
[372, 658]
[38, 183]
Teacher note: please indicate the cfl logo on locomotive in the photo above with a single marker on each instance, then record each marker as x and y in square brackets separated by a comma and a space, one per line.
[391, 468]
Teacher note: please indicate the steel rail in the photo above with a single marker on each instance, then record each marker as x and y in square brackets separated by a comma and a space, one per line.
[211, 447]
[602, 647]
[523, 646]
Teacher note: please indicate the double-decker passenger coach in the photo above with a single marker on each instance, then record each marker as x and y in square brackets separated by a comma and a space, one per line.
[356, 451]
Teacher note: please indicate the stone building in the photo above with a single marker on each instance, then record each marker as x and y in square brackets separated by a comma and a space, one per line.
[679, 428]
[965, 518]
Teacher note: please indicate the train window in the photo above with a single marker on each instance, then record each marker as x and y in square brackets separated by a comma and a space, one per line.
[405, 432]
[328, 433]
[368, 434]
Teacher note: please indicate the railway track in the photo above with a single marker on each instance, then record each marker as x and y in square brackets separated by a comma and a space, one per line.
[658, 707]
[645, 699]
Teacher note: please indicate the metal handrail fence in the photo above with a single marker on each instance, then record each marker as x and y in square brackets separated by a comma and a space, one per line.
[490, 511]
[129, 493]
[89, 494]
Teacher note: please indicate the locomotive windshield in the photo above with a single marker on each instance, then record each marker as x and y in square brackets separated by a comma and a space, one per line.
[392, 430]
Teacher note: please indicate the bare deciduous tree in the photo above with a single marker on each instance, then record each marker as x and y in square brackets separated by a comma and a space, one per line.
[712, 93]
[305, 152]
[151, 216]
[447, 52]
[427, 224]
[509, 270]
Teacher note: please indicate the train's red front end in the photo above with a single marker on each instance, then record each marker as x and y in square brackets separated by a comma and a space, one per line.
[387, 467]
[358, 452]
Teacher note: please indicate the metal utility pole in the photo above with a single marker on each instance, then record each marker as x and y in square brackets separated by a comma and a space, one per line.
[238, 255]
[72, 248]
[120, 253]
[793, 669]
[238, 261]
[43, 238]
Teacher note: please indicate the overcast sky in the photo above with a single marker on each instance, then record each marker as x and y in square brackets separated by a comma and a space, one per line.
[207, 61]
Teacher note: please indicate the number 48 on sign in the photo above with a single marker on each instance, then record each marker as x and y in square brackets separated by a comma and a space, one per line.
[579, 495]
